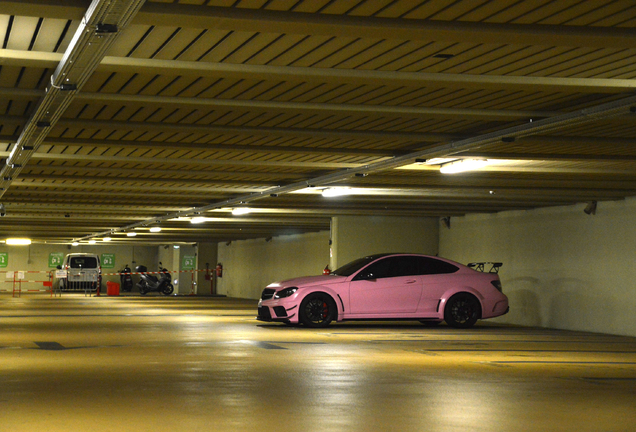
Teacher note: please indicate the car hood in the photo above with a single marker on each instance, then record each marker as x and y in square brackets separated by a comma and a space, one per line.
[308, 281]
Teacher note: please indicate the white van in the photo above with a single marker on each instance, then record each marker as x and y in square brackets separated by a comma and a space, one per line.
[83, 272]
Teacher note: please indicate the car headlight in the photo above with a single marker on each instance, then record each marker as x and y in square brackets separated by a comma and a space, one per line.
[285, 292]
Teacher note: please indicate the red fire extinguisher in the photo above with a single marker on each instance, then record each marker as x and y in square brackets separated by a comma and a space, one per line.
[219, 270]
[326, 271]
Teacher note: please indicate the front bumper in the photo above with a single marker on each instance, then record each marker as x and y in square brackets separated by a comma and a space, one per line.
[276, 313]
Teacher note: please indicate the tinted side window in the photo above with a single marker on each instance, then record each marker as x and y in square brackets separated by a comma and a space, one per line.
[429, 266]
[390, 267]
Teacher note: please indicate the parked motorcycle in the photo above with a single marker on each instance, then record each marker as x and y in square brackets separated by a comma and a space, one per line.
[152, 283]
[126, 279]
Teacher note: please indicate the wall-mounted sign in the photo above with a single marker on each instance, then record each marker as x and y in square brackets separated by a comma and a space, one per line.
[55, 259]
[188, 262]
[4, 259]
[108, 260]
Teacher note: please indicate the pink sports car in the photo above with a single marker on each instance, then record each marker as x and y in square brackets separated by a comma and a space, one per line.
[389, 286]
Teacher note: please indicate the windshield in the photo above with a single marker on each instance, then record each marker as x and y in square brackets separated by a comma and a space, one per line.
[353, 266]
[83, 262]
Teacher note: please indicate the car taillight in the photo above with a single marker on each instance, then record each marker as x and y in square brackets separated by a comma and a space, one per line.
[497, 284]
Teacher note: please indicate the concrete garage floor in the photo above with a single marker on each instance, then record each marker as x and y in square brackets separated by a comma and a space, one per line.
[204, 364]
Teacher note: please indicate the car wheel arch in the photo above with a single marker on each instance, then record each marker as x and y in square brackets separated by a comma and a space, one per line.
[337, 300]
[463, 290]
[462, 310]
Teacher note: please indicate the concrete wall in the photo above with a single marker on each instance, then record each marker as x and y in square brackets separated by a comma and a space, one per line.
[251, 265]
[562, 268]
[354, 237]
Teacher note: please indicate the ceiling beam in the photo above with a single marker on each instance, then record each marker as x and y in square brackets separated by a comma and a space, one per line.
[268, 106]
[548, 156]
[188, 161]
[285, 22]
[566, 193]
[625, 145]
[247, 130]
[329, 75]
[214, 147]
[212, 175]
[380, 181]
[359, 76]
[267, 131]
[57, 9]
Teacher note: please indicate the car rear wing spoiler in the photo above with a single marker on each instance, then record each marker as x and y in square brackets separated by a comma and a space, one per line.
[481, 266]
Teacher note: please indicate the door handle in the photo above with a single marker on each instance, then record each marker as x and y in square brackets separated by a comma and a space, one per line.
[411, 281]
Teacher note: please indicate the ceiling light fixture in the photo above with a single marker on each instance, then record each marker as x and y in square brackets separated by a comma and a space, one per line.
[92, 241]
[199, 219]
[155, 229]
[18, 241]
[463, 165]
[106, 239]
[75, 244]
[241, 211]
[336, 192]
[131, 234]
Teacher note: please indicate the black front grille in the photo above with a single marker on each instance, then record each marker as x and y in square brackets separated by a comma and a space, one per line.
[268, 293]
[280, 311]
[263, 313]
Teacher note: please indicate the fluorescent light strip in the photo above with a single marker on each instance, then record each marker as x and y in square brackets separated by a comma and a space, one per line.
[18, 241]
[463, 165]
[241, 211]
[336, 192]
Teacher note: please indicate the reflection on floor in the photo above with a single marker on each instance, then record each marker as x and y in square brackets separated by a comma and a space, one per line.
[191, 364]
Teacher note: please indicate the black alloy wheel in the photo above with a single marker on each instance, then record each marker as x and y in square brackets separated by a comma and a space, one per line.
[317, 310]
[462, 310]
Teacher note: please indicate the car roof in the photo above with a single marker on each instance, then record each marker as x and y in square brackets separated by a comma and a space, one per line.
[376, 256]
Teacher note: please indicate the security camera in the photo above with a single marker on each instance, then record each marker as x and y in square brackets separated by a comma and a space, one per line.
[3, 212]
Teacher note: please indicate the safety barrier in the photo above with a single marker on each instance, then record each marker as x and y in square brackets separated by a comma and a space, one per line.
[17, 278]
[21, 277]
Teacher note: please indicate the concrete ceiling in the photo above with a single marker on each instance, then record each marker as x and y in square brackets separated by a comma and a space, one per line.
[190, 108]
